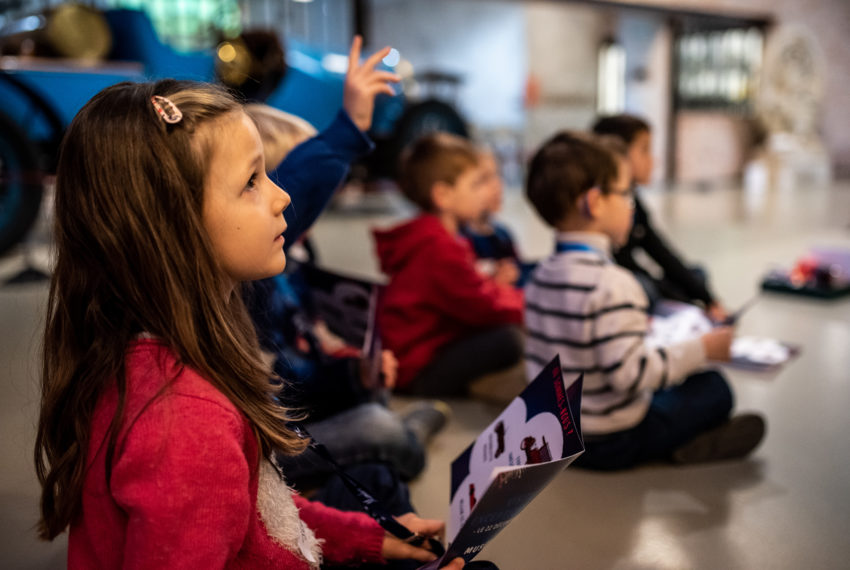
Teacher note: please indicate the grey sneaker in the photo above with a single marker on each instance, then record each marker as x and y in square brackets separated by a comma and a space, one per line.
[733, 439]
[426, 418]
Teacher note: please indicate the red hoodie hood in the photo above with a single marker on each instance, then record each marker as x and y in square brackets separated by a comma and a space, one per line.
[398, 245]
[434, 295]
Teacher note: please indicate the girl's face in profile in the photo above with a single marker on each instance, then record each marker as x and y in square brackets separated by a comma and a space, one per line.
[243, 208]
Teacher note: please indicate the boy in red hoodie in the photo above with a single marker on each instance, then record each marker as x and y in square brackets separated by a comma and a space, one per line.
[445, 322]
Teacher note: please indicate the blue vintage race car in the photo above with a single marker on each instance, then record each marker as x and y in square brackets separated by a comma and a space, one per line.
[40, 96]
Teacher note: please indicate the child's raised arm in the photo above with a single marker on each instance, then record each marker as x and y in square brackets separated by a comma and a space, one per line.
[363, 83]
[314, 169]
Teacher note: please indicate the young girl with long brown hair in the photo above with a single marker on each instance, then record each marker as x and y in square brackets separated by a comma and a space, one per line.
[157, 415]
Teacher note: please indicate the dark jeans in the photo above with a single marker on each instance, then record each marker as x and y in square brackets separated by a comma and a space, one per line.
[382, 481]
[365, 433]
[464, 360]
[675, 416]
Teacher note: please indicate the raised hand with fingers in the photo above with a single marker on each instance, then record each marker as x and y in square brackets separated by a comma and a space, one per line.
[363, 83]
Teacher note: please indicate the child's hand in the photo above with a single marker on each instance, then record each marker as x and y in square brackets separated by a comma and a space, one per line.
[716, 312]
[363, 83]
[506, 272]
[718, 342]
[396, 549]
[389, 372]
[331, 344]
[389, 368]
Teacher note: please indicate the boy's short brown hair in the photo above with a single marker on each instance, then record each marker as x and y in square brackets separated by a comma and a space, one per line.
[613, 144]
[626, 127]
[436, 157]
[563, 169]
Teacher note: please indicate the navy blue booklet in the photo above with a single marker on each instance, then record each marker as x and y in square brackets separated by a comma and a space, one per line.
[535, 438]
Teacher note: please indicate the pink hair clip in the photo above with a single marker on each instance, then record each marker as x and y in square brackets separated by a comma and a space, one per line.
[166, 110]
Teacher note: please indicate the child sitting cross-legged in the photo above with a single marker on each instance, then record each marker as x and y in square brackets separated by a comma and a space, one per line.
[325, 379]
[639, 403]
[446, 324]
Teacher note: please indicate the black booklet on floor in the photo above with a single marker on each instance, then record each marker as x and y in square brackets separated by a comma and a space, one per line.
[346, 304]
[535, 438]
[348, 308]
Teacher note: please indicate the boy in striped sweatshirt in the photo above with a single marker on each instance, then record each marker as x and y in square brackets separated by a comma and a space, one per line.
[639, 403]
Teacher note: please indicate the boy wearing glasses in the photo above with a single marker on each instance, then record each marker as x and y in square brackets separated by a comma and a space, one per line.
[640, 402]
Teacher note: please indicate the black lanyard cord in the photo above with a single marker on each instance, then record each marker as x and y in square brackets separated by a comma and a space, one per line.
[371, 505]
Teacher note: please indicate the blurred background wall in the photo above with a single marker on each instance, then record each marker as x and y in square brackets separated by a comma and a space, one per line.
[526, 69]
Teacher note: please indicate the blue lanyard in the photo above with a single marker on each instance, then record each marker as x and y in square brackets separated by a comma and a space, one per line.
[564, 246]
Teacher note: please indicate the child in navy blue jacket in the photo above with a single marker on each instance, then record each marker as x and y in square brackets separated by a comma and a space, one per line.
[326, 387]
[491, 241]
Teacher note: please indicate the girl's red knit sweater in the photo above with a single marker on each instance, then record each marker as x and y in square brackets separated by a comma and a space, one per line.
[183, 491]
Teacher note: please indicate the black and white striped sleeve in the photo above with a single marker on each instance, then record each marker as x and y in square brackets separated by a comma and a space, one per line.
[629, 363]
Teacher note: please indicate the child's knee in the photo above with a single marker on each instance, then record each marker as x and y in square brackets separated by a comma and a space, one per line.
[720, 391]
[512, 343]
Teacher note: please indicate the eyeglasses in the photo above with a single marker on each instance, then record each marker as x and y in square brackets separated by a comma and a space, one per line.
[628, 195]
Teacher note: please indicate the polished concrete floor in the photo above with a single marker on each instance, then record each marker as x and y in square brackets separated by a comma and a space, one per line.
[786, 507]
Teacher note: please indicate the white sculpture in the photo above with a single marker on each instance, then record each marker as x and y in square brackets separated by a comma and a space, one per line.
[789, 106]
